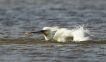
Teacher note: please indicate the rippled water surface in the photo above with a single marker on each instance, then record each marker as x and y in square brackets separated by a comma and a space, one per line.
[56, 53]
[19, 16]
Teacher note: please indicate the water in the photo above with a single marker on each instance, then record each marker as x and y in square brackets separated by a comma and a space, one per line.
[19, 16]
[57, 53]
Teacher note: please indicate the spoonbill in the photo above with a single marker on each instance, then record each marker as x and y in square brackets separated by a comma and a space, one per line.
[64, 34]
[47, 32]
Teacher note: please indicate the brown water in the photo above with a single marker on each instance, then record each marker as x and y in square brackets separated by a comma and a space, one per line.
[17, 16]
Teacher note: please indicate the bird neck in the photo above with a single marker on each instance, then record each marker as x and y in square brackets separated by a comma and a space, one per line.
[49, 36]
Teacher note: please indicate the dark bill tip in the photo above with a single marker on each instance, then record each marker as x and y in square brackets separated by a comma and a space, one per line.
[38, 31]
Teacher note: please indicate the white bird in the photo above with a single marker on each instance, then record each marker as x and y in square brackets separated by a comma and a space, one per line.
[74, 35]
[64, 35]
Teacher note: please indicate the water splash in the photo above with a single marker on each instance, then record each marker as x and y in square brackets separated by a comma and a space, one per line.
[81, 34]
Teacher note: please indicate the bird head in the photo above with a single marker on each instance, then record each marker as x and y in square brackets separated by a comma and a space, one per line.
[46, 31]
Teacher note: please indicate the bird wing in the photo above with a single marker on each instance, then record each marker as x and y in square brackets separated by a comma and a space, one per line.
[58, 33]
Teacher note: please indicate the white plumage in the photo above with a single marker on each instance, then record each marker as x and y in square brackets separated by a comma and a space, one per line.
[64, 35]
